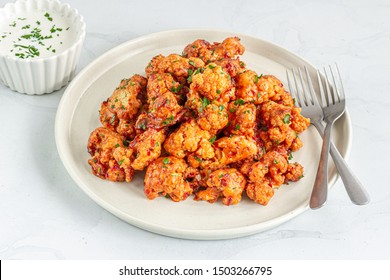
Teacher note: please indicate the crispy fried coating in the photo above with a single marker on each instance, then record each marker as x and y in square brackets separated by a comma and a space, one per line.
[126, 128]
[163, 111]
[277, 123]
[200, 123]
[147, 147]
[161, 83]
[106, 162]
[226, 150]
[186, 139]
[266, 174]
[178, 66]
[242, 119]
[261, 193]
[124, 102]
[229, 48]
[294, 172]
[226, 183]
[232, 66]
[213, 117]
[235, 148]
[214, 83]
[165, 177]
[118, 112]
[255, 88]
[107, 118]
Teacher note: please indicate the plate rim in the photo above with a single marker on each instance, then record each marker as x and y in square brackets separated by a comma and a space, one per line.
[195, 234]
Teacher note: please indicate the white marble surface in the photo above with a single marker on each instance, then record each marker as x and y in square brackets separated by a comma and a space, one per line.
[44, 215]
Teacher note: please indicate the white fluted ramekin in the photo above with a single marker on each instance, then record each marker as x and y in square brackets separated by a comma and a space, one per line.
[40, 75]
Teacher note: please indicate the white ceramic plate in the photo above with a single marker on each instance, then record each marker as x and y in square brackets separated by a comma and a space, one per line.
[77, 116]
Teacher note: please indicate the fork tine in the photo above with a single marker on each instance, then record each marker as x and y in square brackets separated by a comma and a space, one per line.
[298, 96]
[341, 89]
[321, 86]
[293, 91]
[290, 86]
[336, 95]
[304, 90]
[329, 99]
[300, 90]
[311, 88]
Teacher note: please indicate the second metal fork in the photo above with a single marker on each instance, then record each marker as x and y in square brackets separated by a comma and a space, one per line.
[307, 100]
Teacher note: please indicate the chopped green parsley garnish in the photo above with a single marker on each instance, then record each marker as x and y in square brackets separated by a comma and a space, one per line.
[286, 119]
[257, 78]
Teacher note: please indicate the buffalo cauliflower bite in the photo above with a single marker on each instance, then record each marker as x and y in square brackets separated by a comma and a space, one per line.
[235, 148]
[186, 139]
[102, 146]
[147, 147]
[260, 193]
[163, 111]
[226, 150]
[124, 102]
[201, 123]
[178, 66]
[270, 172]
[165, 177]
[214, 83]
[161, 83]
[232, 66]
[294, 172]
[242, 119]
[213, 117]
[229, 48]
[119, 111]
[226, 183]
[107, 118]
[255, 88]
[277, 123]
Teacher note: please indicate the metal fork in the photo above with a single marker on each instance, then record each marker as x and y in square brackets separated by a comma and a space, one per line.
[305, 97]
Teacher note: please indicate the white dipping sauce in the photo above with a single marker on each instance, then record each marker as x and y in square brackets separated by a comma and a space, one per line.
[35, 34]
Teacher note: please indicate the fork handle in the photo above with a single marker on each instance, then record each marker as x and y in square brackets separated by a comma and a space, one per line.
[320, 189]
[355, 189]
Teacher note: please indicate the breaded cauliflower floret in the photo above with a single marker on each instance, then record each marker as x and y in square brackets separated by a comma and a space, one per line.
[255, 88]
[226, 183]
[233, 66]
[199, 48]
[165, 177]
[226, 150]
[124, 101]
[265, 175]
[107, 118]
[277, 123]
[294, 172]
[163, 111]
[186, 139]
[178, 66]
[213, 117]
[102, 146]
[214, 83]
[235, 148]
[260, 193]
[119, 111]
[229, 48]
[126, 128]
[161, 83]
[242, 119]
[147, 147]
